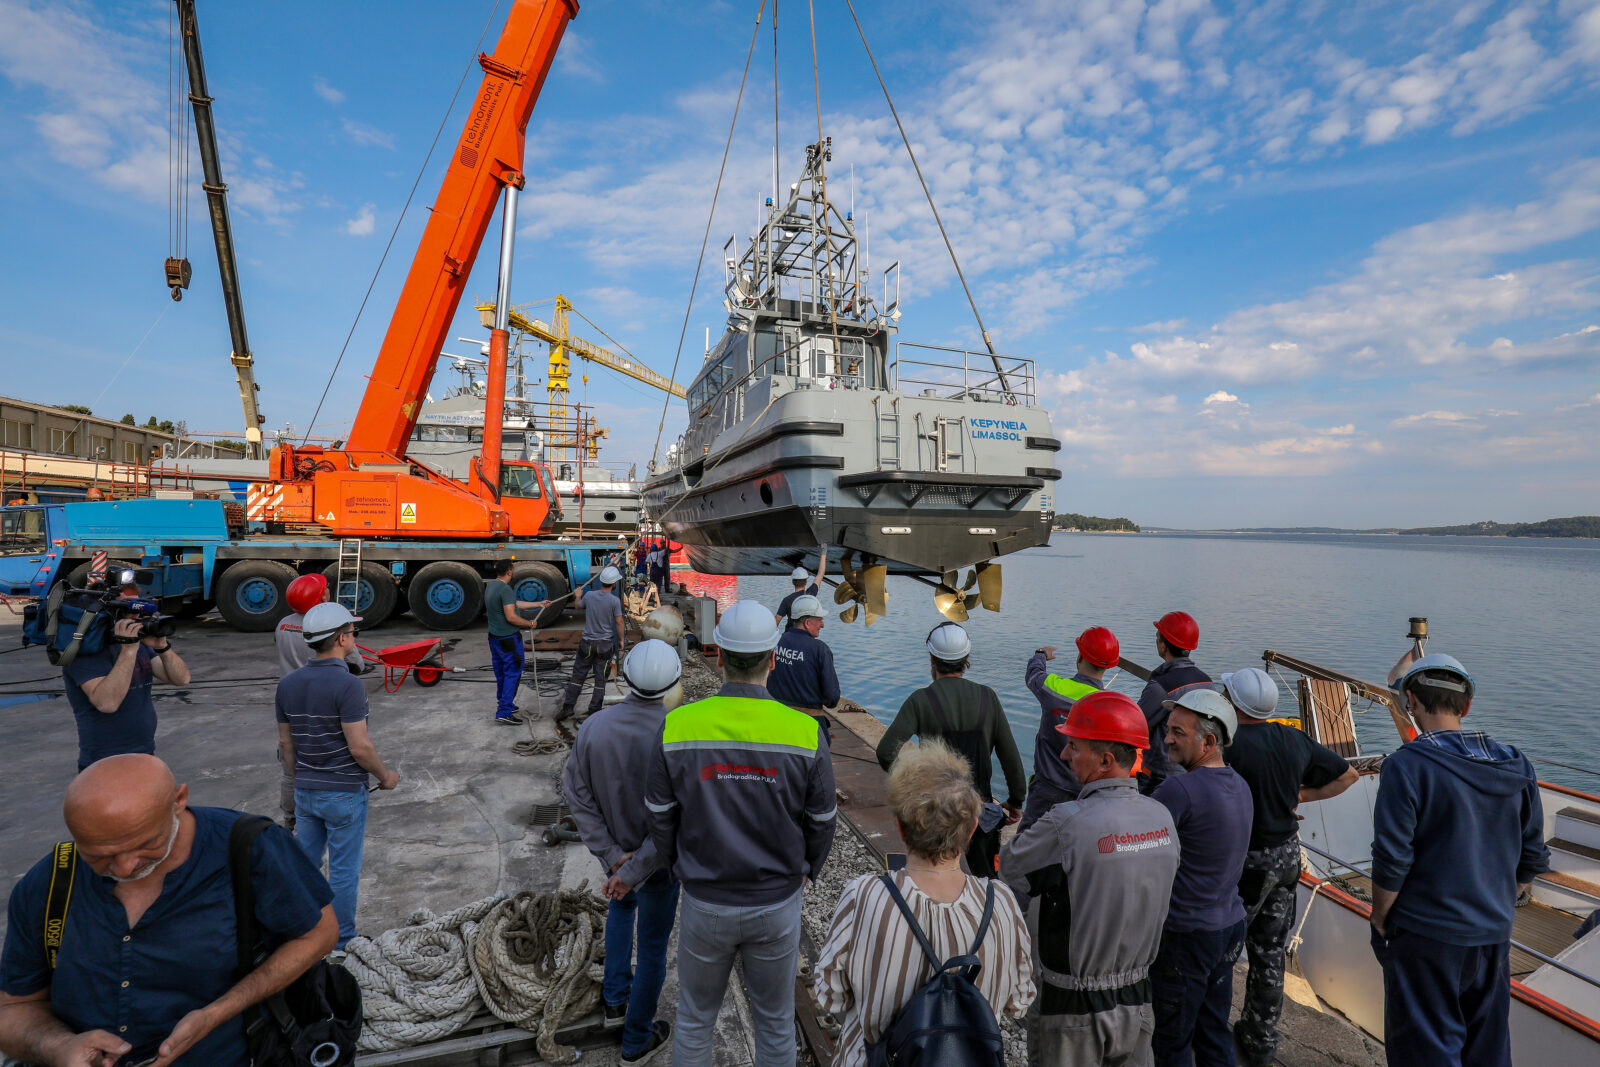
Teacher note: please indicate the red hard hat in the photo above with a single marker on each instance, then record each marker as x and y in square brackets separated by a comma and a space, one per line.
[306, 592]
[1107, 716]
[1099, 646]
[1180, 630]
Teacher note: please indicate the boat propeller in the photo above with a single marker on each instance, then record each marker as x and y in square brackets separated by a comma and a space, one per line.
[955, 602]
[865, 588]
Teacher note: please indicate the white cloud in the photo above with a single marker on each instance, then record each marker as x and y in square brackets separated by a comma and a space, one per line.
[364, 223]
[576, 59]
[368, 136]
[1167, 326]
[1382, 124]
[320, 86]
[1445, 417]
[1221, 396]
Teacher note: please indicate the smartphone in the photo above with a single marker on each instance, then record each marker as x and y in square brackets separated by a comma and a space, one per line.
[894, 861]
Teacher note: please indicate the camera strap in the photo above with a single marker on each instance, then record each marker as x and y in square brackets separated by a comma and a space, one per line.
[87, 620]
[62, 870]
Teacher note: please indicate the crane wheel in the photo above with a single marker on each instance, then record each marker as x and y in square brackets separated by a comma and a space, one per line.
[540, 581]
[253, 594]
[446, 595]
[377, 595]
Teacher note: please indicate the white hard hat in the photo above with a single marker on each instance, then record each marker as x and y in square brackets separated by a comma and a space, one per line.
[1212, 705]
[807, 607]
[325, 620]
[799, 574]
[949, 641]
[610, 576]
[747, 626]
[652, 667]
[1252, 691]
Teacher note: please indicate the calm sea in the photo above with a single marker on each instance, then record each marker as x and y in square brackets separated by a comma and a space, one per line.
[1521, 613]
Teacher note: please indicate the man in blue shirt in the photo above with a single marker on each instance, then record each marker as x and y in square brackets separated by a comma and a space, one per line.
[504, 612]
[802, 675]
[109, 690]
[602, 639]
[322, 733]
[1457, 834]
[1177, 635]
[146, 964]
[1192, 977]
[1052, 779]
[804, 585]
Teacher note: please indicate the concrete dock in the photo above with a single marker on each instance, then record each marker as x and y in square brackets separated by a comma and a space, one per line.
[458, 828]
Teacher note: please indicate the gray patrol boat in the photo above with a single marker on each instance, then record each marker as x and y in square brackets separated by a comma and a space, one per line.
[810, 426]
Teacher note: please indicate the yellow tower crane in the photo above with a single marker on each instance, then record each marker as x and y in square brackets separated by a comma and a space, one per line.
[562, 345]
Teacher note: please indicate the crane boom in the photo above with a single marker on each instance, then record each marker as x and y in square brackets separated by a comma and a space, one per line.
[221, 229]
[558, 335]
[491, 144]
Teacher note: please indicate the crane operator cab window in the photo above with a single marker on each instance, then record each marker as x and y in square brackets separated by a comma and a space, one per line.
[520, 481]
[22, 532]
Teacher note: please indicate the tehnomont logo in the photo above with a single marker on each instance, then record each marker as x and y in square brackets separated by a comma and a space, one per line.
[1135, 842]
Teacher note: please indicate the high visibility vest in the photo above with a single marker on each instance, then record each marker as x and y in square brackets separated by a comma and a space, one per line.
[740, 723]
[1067, 688]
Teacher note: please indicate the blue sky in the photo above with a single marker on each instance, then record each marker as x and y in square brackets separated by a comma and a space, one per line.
[1279, 264]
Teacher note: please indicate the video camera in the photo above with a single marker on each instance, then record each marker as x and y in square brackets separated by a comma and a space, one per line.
[73, 621]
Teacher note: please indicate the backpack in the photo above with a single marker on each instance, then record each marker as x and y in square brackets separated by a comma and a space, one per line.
[315, 1021]
[68, 623]
[947, 1022]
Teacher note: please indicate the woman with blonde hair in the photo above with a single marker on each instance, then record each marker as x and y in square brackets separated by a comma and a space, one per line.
[871, 964]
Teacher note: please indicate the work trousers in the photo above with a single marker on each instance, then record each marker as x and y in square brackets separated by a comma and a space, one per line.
[1042, 796]
[1117, 1037]
[335, 823]
[592, 657]
[653, 904]
[1267, 889]
[507, 656]
[766, 939]
[1444, 1005]
[983, 853]
[1192, 986]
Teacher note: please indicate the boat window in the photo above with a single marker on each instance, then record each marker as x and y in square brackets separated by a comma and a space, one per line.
[22, 532]
[519, 481]
[767, 361]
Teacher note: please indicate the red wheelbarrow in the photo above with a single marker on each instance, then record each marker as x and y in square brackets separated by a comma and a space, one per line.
[424, 660]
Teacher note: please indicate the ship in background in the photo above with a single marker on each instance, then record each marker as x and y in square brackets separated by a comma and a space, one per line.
[811, 426]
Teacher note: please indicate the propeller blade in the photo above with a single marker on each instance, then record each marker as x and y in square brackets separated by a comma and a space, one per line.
[949, 603]
[849, 613]
[843, 591]
[990, 585]
[872, 616]
[972, 579]
[873, 579]
[970, 601]
[950, 579]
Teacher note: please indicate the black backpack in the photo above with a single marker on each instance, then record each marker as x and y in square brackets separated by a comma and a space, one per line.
[316, 1020]
[947, 1022]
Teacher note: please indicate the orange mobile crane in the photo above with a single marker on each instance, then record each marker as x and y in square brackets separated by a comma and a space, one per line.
[368, 487]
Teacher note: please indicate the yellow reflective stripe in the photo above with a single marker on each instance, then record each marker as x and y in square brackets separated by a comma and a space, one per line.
[740, 721]
[1068, 688]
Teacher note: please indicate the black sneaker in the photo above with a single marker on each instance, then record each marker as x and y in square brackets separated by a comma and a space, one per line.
[660, 1041]
[616, 1014]
[514, 719]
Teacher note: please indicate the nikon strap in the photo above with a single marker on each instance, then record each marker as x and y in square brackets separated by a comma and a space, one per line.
[60, 896]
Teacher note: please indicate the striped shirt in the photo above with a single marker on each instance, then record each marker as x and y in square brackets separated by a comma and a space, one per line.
[315, 702]
[871, 965]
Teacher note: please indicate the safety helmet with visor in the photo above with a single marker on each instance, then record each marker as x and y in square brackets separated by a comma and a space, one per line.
[325, 620]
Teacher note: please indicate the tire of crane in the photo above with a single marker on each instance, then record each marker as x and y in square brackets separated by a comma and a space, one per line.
[446, 595]
[376, 592]
[540, 581]
[253, 594]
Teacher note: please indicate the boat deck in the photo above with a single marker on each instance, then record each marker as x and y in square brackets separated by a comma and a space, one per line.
[1538, 926]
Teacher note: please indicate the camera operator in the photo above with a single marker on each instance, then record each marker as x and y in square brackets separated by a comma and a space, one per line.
[109, 690]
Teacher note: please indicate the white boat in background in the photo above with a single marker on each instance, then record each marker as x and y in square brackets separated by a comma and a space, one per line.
[1555, 987]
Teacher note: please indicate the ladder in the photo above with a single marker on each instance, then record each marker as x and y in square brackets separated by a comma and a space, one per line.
[888, 433]
[347, 590]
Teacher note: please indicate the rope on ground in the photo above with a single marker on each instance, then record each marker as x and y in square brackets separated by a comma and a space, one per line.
[538, 960]
[416, 981]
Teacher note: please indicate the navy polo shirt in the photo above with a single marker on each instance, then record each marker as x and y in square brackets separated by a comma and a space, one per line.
[802, 672]
[132, 727]
[182, 955]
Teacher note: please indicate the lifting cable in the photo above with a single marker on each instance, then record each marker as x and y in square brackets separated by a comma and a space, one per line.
[445, 118]
[177, 144]
[706, 237]
[1004, 385]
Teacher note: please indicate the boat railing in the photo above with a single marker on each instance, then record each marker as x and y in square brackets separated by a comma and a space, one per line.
[963, 374]
[1535, 953]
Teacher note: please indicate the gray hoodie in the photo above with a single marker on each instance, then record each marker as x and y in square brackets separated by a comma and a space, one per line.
[605, 780]
[1102, 868]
